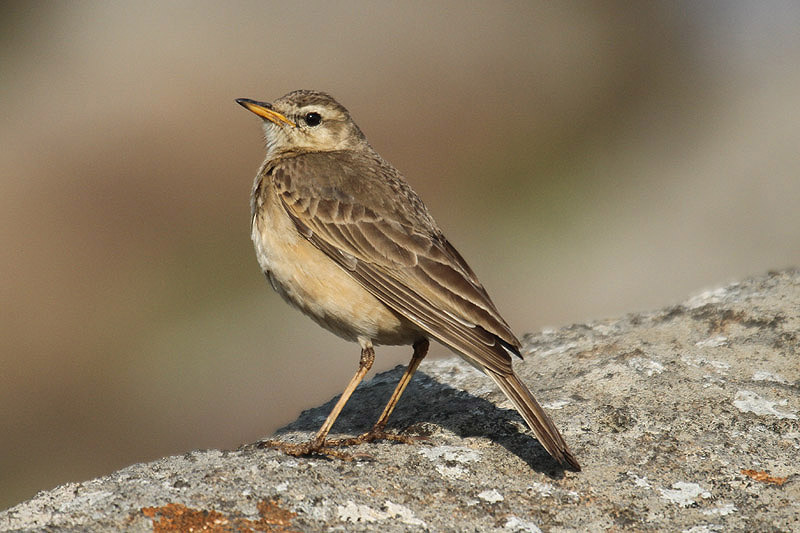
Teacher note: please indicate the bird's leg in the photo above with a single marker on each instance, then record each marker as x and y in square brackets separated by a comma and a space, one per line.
[317, 444]
[378, 430]
[420, 351]
[364, 364]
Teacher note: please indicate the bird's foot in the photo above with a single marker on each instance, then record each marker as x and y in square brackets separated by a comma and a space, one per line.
[313, 447]
[328, 448]
[372, 435]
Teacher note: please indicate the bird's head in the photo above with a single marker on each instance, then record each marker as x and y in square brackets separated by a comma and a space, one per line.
[306, 121]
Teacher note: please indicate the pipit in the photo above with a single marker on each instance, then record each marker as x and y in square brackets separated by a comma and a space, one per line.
[341, 235]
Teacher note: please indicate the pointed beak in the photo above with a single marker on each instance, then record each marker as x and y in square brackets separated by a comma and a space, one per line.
[264, 110]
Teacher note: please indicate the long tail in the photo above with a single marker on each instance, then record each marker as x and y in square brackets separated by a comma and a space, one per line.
[534, 415]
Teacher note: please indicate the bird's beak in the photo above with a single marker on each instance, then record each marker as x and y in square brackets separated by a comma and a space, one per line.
[264, 110]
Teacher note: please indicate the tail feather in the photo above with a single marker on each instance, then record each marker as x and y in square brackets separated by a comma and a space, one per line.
[539, 422]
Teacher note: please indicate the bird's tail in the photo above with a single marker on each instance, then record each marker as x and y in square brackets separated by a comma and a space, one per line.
[544, 429]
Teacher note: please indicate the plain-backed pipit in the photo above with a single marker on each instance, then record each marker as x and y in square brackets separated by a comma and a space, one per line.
[341, 236]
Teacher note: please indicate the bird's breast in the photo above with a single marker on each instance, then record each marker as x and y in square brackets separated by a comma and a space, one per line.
[312, 282]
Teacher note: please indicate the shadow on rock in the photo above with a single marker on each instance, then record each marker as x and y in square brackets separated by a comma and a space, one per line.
[426, 406]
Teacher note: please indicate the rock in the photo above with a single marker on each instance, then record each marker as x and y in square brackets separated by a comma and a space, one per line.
[684, 419]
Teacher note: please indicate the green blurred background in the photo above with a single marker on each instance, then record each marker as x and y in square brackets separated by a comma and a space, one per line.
[589, 159]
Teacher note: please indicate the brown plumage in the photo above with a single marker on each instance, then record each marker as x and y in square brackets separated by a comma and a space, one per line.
[343, 237]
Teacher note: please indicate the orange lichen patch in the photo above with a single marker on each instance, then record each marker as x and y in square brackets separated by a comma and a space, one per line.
[176, 517]
[272, 515]
[763, 477]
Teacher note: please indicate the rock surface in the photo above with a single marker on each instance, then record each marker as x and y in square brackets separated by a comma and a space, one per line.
[684, 419]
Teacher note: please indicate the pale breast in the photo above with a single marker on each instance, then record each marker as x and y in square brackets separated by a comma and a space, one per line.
[306, 278]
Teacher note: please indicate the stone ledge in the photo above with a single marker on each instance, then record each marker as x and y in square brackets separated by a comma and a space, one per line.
[684, 419]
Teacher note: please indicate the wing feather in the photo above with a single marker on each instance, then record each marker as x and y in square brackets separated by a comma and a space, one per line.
[400, 257]
[396, 252]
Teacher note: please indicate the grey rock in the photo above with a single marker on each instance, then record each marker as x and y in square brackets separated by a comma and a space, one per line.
[684, 419]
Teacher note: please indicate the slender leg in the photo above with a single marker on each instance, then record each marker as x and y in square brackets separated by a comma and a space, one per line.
[377, 431]
[364, 364]
[317, 444]
[420, 351]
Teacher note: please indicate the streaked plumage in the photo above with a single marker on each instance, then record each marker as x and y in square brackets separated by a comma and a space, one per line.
[343, 237]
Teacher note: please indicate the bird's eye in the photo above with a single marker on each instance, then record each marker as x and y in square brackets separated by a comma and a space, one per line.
[313, 118]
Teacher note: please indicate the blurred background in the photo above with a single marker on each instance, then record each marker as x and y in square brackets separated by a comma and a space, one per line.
[588, 159]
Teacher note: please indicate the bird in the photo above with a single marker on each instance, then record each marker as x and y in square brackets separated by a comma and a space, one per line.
[340, 235]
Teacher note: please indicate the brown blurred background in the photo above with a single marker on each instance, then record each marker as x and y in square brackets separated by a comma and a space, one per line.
[589, 159]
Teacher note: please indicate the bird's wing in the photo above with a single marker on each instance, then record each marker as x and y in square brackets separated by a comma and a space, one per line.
[394, 250]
